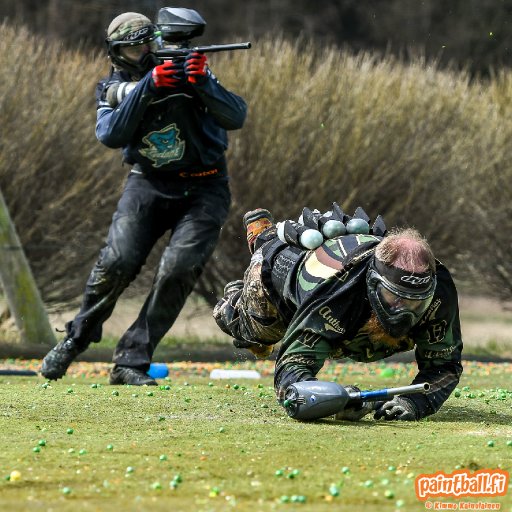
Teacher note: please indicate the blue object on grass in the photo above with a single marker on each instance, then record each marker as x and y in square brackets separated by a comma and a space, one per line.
[158, 370]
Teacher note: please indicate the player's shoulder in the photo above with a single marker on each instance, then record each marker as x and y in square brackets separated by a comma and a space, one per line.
[445, 283]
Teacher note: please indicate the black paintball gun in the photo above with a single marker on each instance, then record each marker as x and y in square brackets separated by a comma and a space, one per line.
[311, 400]
[178, 25]
[170, 53]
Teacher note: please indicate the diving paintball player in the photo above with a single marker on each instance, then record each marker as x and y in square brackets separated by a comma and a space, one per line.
[355, 292]
[170, 118]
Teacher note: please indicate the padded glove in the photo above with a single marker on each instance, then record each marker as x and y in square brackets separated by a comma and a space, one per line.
[169, 74]
[399, 408]
[196, 66]
[354, 412]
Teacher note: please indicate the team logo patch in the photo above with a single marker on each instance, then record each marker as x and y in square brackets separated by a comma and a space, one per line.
[437, 331]
[165, 146]
[439, 354]
[309, 339]
[332, 324]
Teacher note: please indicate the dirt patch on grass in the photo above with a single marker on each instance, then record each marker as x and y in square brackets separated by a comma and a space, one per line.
[486, 325]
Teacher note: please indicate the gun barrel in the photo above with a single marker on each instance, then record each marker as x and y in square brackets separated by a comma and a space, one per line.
[380, 394]
[169, 53]
[223, 47]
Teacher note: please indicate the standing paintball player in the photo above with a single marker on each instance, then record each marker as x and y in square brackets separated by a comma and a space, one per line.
[364, 294]
[170, 119]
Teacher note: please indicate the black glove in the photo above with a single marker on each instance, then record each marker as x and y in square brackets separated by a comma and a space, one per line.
[399, 408]
[354, 412]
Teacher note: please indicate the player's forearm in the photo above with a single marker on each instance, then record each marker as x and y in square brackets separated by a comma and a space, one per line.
[285, 375]
[228, 109]
[443, 380]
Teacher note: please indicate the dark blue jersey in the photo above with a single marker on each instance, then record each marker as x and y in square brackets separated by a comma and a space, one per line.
[184, 129]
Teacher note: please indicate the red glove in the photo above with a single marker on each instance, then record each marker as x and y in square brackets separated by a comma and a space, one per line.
[168, 74]
[196, 66]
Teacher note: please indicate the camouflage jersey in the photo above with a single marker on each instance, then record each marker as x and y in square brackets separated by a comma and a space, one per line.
[322, 296]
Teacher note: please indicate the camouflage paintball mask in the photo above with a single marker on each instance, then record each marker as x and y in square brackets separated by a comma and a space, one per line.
[132, 41]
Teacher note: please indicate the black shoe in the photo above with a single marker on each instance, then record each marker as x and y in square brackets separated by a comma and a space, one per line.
[131, 375]
[57, 361]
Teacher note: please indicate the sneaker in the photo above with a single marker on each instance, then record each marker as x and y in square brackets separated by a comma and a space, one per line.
[57, 361]
[255, 222]
[130, 375]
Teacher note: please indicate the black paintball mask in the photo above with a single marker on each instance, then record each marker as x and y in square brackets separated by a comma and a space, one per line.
[398, 297]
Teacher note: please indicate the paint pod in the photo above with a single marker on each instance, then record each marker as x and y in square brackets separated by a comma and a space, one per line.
[333, 228]
[358, 227]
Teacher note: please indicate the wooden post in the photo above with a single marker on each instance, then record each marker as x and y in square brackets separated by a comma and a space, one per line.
[19, 286]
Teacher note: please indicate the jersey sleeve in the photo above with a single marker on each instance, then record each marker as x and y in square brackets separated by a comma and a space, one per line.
[438, 346]
[300, 359]
[228, 109]
[115, 126]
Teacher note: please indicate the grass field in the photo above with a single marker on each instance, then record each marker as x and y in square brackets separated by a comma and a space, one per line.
[196, 444]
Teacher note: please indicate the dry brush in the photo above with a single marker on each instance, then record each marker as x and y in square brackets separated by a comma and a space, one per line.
[419, 145]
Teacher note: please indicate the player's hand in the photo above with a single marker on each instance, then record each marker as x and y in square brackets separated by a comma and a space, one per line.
[355, 412]
[196, 66]
[168, 75]
[397, 409]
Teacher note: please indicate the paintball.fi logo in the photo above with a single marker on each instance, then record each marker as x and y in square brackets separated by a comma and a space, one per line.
[462, 483]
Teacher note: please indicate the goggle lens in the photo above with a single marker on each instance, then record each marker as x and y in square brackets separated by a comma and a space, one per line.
[394, 304]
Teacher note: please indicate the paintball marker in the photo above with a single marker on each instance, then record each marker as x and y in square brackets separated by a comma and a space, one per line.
[311, 400]
[170, 53]
[179, 25]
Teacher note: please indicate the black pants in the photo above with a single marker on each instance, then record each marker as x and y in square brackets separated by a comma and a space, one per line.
[148, 208]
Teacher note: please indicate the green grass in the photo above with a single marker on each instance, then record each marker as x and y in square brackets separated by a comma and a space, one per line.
[226, 441]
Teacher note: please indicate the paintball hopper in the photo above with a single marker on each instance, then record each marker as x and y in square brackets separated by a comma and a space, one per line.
[314, 399]
[179, 25]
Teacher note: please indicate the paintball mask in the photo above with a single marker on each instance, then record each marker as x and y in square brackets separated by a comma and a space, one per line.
[132, 41]
[398, 297]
